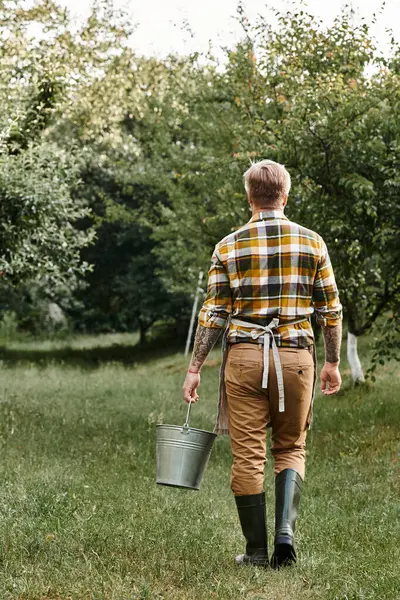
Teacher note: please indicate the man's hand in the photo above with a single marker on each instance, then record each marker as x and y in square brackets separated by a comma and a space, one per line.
[190, 386]
[204, 341]
[330, 379]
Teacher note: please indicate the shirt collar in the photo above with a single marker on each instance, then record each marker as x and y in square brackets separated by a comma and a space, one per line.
[268, 214]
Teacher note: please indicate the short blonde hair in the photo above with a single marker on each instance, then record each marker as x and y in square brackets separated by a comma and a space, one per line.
[267, 182]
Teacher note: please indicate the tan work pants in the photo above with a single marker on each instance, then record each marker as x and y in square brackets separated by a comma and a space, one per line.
[252, 409]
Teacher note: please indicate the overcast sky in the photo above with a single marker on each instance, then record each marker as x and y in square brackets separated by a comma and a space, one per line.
[158, 21]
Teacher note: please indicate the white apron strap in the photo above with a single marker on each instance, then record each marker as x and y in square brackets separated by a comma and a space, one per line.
[267, 334]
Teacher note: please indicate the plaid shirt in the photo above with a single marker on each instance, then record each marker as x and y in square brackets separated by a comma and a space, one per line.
[271, 267]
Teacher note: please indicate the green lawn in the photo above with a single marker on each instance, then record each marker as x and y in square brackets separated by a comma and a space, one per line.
[82, 518]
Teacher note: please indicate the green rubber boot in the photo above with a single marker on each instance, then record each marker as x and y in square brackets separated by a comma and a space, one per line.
[252, 516]
[288, 485]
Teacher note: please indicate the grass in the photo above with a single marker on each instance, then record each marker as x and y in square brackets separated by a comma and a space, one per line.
[81, 517]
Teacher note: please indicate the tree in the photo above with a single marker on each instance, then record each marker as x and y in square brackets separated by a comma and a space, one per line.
[38, 239]
[338, 131]
[114, 130]
[323, 102]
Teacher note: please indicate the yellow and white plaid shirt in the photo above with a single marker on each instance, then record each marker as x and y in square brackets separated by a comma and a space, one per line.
[271, 267]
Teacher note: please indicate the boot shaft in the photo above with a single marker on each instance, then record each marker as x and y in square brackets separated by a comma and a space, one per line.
[252, 517]
[288, 484]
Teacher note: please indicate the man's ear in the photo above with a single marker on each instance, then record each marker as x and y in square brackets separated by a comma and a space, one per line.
[285, 199]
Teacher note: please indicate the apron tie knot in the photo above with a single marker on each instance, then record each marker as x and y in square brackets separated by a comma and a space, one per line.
[266, 333]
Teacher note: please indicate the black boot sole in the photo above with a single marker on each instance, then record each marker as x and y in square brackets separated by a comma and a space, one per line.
[284, 554]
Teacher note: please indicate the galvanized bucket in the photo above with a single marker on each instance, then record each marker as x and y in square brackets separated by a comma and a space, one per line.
[182, 454]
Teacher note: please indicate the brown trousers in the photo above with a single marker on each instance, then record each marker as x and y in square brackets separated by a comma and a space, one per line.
[252, 409]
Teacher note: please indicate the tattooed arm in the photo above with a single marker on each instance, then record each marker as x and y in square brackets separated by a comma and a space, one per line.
[203, 344]
[328, 311]
[330, 376]
[215, 312]
[332, 341]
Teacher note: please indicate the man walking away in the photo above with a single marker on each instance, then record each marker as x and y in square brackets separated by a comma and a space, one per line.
[265, 281]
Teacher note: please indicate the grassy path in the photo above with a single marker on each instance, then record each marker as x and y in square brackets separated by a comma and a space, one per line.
[81, 517]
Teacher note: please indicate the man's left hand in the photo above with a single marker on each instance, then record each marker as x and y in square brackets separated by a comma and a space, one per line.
[190, 386]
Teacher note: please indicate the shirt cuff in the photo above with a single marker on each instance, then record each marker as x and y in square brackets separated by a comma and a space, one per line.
[212, 318]
[328, 319]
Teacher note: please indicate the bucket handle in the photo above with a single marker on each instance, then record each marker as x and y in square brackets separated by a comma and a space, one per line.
[186, 425]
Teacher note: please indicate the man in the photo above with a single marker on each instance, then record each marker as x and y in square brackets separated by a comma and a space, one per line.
[265, 281]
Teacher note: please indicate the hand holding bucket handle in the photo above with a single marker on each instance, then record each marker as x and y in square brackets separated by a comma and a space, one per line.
[190, 386]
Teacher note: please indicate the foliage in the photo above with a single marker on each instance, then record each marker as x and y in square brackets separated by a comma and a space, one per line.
[37, 213]
[123, 291]
[111, 128]
[323, 102]
[38, 239]
[8, 327]
[340, 135]
[386, 343]
[151, 152]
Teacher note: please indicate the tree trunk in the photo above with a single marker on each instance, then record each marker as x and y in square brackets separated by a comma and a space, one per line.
[143, 330]
[353, 358]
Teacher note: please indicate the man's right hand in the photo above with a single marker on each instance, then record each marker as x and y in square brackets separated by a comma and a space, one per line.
[330, 379]
[190, 387]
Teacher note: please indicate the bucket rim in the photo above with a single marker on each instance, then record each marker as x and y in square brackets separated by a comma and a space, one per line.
[189, 428]
[178, 486]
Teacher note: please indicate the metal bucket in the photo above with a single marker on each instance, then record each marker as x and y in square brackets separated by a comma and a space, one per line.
[182, 454]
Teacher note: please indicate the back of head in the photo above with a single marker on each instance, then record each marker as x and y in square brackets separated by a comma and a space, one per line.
[267, 183]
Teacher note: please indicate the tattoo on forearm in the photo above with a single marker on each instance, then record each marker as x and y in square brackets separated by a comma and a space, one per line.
[203, 344]
[333, 340]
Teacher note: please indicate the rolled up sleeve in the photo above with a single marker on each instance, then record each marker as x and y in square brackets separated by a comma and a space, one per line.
[218, 303]
[326, 301]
